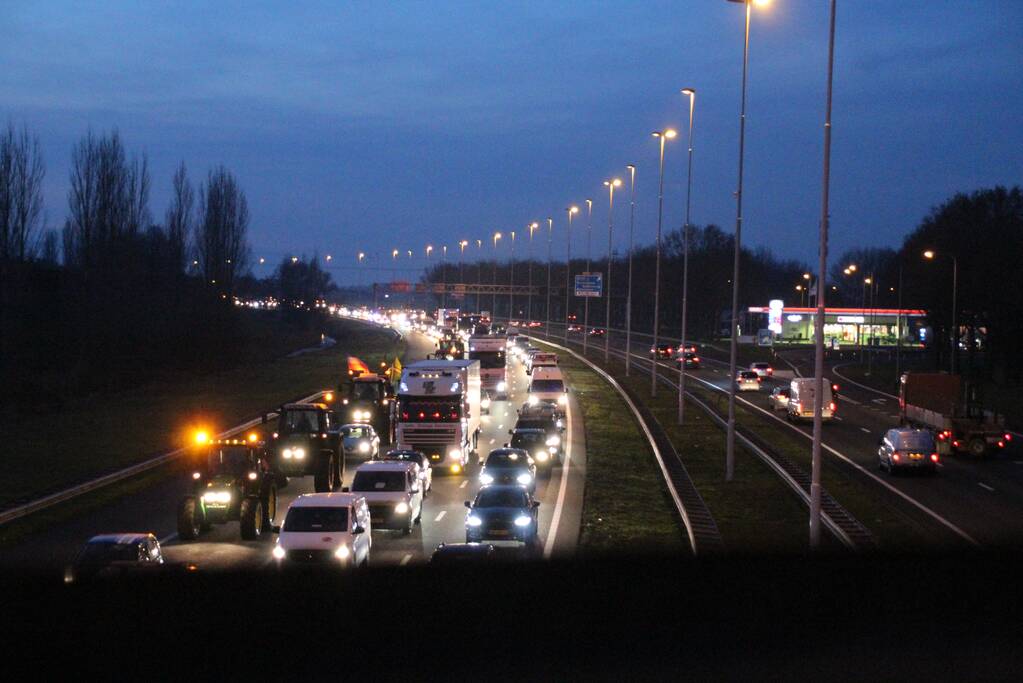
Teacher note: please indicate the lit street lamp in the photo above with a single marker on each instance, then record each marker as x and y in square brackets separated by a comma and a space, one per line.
[734, 346]
[822, 253]
[586, 302]
[661, 136]
[628, 295]
[610, 185]
[571, 211]
[493, 313]
[479, 273]
[691, 93]
[529, 316]
[930, 254]
[550, 232]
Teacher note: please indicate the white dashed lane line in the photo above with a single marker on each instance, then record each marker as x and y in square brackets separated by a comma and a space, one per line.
[405, 560]
[984, 486]
[463, 484]
[865, 430]
[440, 515]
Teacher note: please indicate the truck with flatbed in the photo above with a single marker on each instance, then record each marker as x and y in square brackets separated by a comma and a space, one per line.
[438, 411]
[937, 401]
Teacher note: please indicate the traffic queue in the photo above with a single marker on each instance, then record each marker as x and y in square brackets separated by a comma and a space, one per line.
[390, 432]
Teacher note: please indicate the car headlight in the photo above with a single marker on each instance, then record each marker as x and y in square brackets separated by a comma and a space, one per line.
[563, 400]
[217, 496]
[486, 478]
[454, 454]
[522, 520]
[473, 520]
[342, 552]
[553, 440]
[533, 400]
[502, 386]
[278, 552]
[541, 456]
[485, 403]
[364, 447]
[524, 479]
[299, 453]
[401, 508]
[286, 453]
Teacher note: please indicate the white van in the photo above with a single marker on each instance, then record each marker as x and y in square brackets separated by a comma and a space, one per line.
[393, 492]
[541, 359]
[547, 385]
[325, 528]
[801, 398]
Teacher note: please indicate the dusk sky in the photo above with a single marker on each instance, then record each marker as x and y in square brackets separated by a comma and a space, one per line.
[371, 126]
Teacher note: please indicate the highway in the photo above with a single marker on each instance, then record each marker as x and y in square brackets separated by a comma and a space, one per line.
[154, 508]
[971, 502]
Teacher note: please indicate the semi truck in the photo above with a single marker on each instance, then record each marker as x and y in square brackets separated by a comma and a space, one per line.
[490, 351]
[438, 411]
[937, 401]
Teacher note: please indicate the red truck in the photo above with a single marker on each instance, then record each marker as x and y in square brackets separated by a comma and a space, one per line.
[936, 401]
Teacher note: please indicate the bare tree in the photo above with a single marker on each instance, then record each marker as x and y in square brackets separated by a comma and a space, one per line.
[108, 201]
[180, 215]
[21, 200]
[223, 223]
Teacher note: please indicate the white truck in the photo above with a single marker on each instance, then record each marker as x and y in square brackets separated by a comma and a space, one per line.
[490, 351]
[801, 396]
[438, 411]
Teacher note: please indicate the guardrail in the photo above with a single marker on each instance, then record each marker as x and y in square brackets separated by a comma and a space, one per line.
[701, 529]
[13, 513]
[846, 528]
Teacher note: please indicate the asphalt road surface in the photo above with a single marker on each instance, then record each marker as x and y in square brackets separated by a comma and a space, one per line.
[967, 502]
[443, 520]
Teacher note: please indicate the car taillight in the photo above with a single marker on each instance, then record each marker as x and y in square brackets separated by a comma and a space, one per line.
[895, 457]
[1001, 444]
[955, 444]
[770, 371]
[834, 387]
[1008, 437]
[934, 457]
[695, 359]
[831, 406]
[941, 436]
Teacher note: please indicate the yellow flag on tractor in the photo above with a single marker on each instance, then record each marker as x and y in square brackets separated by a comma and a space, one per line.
[396, 368]
[356, 367]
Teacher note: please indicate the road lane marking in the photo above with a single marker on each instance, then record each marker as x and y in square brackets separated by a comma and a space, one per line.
[552, 532]
[865, 430]
[405, 560]
[836, 417]
[491, 441]
[984, 486]
[463, 484]
[879, 401]
[842, 397]
[440, 515]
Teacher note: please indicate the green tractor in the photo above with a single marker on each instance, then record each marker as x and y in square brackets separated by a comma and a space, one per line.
[308, 443]
[232, 481]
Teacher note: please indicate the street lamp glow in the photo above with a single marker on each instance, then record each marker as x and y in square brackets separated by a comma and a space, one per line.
[394, 254]
[806, 276]
[573, 209]
[262, 260]
[329, 257]
[867, 281]
[929, 254]
[294, 259]
[852, 267]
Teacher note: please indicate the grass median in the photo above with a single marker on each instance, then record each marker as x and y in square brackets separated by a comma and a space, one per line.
[626, 504]
[105, 432]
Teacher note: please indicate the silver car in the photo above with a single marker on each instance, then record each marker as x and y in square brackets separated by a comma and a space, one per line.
[360, 440]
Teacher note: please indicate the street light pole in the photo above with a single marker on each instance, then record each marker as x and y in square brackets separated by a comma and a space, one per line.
[444, 276]
[898, 330]
[628, 298]
[511, 280]
[429, 248]
[586, 303]
[493, 304]
[661, 136]
[571, 211]
[818, 323]
[529, 297]
[691, 92]
[611, 185]
[550, 232]
[930, 254]
[479, 274]
[733, 351]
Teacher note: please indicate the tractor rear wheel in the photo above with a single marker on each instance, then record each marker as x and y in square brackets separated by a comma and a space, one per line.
[251, 518]
[189, 519]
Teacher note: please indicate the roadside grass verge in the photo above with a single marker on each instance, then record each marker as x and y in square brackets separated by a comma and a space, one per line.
[104, 432]
[626, 504]
[755, 512]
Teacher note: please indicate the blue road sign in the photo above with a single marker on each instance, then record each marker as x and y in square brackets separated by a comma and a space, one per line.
[589, 284]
